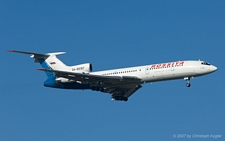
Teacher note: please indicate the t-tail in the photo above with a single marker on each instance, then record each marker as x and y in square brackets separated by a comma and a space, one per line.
[47, 61]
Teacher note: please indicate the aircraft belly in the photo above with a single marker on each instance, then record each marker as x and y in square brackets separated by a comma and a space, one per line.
[168, 76]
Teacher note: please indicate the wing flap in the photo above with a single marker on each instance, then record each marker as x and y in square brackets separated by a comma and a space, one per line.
[131, 91]
[123, 90]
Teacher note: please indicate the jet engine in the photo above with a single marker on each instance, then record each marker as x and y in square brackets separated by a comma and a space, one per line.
[82, 68]
[63, 80]
[87, 67]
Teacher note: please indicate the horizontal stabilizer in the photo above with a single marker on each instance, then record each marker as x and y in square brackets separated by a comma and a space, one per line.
[37, 55]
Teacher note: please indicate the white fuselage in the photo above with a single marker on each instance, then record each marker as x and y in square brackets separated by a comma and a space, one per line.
[162, 71]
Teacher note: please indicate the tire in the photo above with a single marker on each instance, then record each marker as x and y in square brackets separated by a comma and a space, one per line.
[188, 84]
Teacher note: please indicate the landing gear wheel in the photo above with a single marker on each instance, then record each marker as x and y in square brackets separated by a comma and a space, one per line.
[101, 89]
[97, 88]
[188, 84]
[125, 99]
[93, 88]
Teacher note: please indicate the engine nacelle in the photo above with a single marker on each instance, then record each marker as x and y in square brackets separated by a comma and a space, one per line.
[87, 67]
[63, 80]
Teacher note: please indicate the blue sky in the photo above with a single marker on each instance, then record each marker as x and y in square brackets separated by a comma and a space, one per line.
[111, 34]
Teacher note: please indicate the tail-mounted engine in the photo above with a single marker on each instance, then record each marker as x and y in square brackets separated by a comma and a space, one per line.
[82, 68]
[87, 67]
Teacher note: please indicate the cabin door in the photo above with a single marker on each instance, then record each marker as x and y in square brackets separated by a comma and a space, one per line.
[147, 69]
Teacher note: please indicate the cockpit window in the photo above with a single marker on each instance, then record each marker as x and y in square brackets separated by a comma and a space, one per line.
[205, 63]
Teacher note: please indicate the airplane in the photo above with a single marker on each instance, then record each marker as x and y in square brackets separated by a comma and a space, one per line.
[120, 83]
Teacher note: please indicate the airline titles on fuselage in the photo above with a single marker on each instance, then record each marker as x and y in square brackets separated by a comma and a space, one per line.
[167, 65]
[155, 66]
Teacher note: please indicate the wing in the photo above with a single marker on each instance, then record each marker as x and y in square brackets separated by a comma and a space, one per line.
[121, 87]
[123, 92]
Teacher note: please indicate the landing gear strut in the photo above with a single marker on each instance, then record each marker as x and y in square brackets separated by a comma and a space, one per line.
[188, 84]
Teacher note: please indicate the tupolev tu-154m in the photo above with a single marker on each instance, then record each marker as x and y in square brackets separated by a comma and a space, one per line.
[120, 83]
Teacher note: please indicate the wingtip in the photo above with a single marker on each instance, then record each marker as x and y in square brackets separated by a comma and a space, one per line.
[11, 50]
[40, 69]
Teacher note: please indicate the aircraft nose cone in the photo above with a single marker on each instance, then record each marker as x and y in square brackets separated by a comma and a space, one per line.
[214, 68]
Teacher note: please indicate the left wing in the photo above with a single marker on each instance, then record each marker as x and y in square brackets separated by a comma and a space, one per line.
[122, 92]
[121, 87]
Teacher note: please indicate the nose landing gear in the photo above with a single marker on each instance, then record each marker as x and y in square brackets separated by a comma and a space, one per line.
[188, 84]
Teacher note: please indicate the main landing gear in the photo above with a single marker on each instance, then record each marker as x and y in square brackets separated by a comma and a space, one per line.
[97, 89]
[188, 84]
